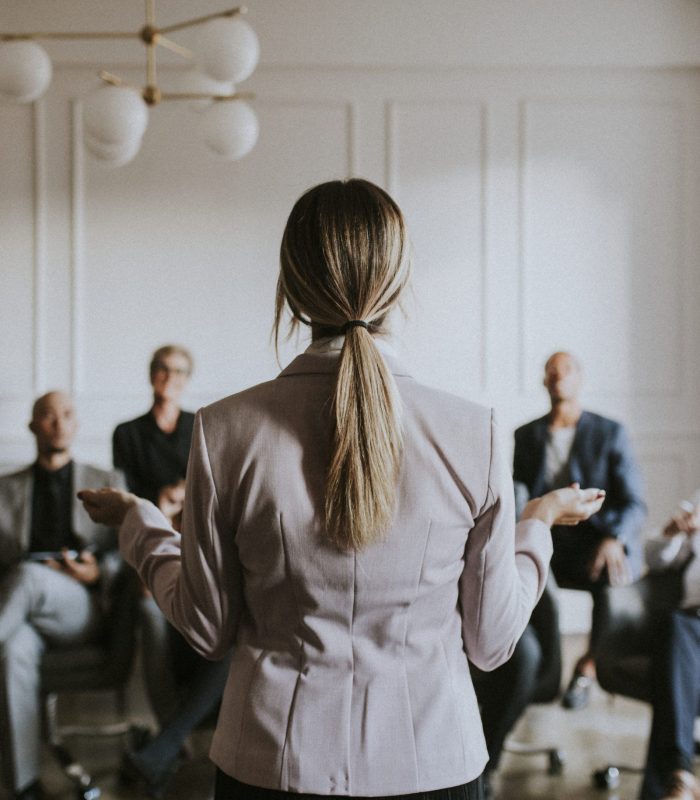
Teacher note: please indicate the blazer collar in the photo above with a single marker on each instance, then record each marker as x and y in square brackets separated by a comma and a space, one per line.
[322, 357]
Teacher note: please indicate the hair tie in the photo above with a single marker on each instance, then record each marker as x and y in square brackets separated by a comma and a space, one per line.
[355, 323]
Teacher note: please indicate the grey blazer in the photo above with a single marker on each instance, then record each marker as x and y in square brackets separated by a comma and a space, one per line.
[16, 512]
[349, 674]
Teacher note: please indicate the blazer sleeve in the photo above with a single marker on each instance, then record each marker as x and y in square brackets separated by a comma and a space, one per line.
[505, 570]
[194, 576]
[623, 513]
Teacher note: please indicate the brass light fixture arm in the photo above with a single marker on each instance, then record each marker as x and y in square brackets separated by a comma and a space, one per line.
[152, 36]
[203, 96]
[178, 26]
[14, 37]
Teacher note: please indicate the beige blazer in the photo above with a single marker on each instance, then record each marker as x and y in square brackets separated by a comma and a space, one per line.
[349, 673]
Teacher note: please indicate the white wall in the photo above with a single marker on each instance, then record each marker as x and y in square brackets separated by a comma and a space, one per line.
[545, 153]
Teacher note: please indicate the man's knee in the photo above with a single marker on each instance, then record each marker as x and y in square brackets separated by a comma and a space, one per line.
[23, 650]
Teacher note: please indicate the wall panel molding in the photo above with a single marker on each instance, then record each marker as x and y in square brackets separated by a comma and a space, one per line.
[676, 323]
[392, 108]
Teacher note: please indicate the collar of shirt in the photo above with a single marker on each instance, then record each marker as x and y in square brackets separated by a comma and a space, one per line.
[58, 475]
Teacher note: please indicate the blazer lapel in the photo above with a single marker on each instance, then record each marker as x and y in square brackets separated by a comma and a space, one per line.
[540, 447]
[25, 508]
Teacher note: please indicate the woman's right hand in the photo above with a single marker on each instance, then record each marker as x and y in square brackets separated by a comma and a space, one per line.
[567, 506]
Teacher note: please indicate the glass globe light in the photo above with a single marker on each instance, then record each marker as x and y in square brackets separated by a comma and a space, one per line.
[113, 155]
[25, 71]
[227, 49]
[230, 129]
[115, 115]
[195, 81]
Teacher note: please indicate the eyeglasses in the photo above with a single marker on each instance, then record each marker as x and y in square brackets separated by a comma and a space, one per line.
[181, 372]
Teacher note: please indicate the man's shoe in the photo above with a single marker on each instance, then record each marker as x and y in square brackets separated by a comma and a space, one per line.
[578, 692]
[683, 785]
[32, 792]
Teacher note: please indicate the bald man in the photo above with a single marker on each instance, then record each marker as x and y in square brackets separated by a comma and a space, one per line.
[570, 445]
[52, 560]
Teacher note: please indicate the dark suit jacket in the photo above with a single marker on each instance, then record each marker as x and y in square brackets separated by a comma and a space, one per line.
[601, 456]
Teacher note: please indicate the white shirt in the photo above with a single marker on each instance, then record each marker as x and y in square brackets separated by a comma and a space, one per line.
[556, 456]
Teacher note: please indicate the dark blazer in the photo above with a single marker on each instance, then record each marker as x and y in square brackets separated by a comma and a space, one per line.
[601, 456]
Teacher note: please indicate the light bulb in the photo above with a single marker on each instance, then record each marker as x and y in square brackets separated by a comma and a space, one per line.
[195, 82]
[113, 155]
[115, 115]
[230, 128]
[227, 49]
[25, 71]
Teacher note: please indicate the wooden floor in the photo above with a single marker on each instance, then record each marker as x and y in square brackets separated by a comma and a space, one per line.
[610, 730]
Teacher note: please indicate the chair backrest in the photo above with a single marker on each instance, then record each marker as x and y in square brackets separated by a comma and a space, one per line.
[627, 616]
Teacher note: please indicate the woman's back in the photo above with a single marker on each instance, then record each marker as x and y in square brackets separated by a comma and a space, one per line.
[352, 533]
[349, 674]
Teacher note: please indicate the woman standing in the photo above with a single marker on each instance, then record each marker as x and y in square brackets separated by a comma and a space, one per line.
[352, 531]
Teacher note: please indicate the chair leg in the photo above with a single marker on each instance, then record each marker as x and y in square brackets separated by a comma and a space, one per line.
[556, 757]
[81, 779]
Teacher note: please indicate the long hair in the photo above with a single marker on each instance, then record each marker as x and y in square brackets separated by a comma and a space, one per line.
[345, 256]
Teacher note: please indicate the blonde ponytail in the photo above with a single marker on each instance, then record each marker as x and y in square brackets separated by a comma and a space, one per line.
[345, 258]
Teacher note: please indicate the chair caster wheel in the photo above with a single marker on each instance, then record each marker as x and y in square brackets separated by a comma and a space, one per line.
[608, 778]
[557, 759]
[88, 793]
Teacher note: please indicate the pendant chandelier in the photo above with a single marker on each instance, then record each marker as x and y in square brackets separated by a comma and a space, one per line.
[115, 116]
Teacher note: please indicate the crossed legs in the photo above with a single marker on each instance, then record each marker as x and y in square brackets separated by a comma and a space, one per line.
[38, 605]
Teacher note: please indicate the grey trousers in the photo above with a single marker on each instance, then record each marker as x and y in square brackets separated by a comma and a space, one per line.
[39, 606]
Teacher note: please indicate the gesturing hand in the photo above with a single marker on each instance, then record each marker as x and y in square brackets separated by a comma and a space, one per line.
[567, 506]
[610, 555]
[107, 506]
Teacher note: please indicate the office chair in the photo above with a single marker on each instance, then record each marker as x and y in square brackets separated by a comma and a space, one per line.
[102, 665]
[623, 656]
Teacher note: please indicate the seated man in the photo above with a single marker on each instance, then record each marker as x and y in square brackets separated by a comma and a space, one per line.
[53, 565]
[676, 665]
[569, 445]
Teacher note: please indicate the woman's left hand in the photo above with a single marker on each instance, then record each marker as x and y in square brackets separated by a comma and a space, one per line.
[107, 506]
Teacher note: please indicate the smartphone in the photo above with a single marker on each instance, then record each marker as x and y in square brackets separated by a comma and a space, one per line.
[51, 555]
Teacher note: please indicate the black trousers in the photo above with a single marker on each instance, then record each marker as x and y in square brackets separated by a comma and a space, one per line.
[228, 788]
[505, 693]
[676, 700]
